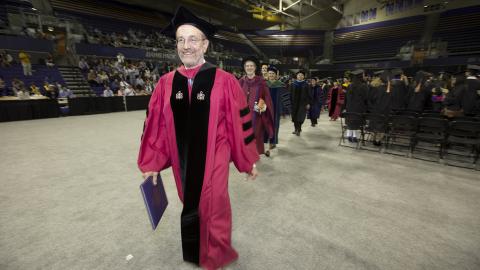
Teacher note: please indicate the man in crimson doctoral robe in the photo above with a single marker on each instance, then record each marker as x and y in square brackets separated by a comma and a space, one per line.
[259, 101]
[198, 121]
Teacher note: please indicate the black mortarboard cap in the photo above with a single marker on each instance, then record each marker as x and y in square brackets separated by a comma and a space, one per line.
[272, 68]
[184, 16]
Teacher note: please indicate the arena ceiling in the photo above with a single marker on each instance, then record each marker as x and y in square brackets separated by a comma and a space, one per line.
[256, 14]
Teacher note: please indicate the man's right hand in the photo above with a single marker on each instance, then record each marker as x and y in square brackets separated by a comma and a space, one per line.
[154, 176]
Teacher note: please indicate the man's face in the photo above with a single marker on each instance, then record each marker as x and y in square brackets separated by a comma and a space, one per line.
[300, 76]
[250, 68]
[191, 45]
[272, 75]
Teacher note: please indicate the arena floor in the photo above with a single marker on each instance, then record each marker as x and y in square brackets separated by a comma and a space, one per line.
[70, 199]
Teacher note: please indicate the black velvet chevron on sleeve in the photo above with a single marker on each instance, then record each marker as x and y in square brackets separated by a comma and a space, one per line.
[249, 139]
[246, 126]
[244, 111]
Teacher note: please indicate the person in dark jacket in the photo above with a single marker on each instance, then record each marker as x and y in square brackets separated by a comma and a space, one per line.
[300, 91]
[399, 85]
[356, 102]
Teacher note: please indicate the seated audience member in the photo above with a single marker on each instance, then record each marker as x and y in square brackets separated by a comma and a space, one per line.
[129, 91]
[34, 90]
[149, 87]
[121, 91]
[139, 82]
[83, 65]
[3, 87]
[115, 85]
[52, 92]
[107, 92]
[6, 59]
[92, 77]
[49, 61]
[17, 86]
[65, 92]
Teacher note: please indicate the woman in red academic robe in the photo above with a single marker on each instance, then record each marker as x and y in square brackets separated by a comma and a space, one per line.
[259, 101]
[336, 99]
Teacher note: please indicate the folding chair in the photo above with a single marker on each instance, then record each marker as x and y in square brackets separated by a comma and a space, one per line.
[463, 140]
[431, 131]
[401, 130]
[374, 124]
[353, 120]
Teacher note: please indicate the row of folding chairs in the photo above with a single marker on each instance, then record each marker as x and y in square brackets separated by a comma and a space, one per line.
[421, 136]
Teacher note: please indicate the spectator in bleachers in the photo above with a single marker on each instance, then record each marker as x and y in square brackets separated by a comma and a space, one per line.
[83, 65]
[120, 58]
[34, 90]
[3, 87]
[121, 91]
[49, 61]
[129, 91]
[52, 92]
[17, 86]
[149, 86]
[139, 82]
[115, 85]
[92, 77]
[26, 64]
[6, 60]
[107, 92]
[102, 78]
[65, 92]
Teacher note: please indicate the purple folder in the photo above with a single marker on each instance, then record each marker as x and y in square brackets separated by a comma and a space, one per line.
[155, 199]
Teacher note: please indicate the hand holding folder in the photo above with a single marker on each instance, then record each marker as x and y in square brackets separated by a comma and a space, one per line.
[155, 199]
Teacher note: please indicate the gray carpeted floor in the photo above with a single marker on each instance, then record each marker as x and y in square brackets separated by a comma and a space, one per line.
[69, 199]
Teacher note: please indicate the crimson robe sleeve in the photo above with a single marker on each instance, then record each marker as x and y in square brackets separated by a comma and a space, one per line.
[239, 127]
[154, 154]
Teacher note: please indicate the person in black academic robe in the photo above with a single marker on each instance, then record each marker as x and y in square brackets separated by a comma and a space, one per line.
[419, 93]
[356, 102]
[300, 91]
[382, 105]
[399, 93]
[471, 98]
[315, 102]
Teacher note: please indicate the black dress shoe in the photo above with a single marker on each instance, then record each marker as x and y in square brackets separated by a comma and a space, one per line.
[295, 132]
[355, 140]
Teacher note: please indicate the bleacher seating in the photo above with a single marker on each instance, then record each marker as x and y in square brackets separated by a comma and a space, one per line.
[460, 28]
[40, 74]
[377, 40]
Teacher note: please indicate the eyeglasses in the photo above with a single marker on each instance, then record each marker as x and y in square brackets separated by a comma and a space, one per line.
[194, 41]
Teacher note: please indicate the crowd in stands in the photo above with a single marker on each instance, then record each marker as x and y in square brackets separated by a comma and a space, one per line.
[122, 77]
[18, 89]
[132, 38]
